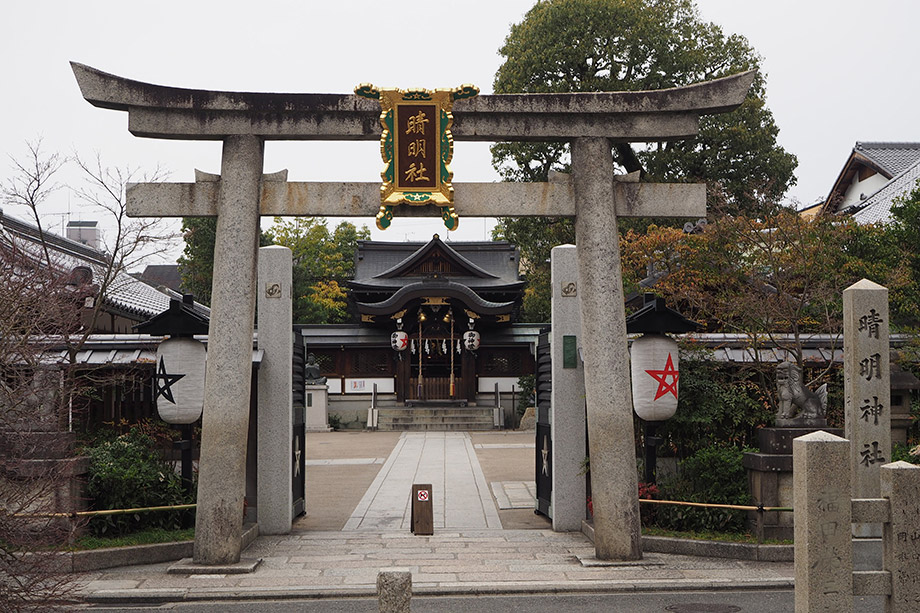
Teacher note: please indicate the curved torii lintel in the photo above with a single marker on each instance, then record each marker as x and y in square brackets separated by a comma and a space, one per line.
[158, 111]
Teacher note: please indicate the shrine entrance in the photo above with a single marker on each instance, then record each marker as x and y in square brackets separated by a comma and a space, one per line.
[590, 122]
[437, 302]
[435, 366]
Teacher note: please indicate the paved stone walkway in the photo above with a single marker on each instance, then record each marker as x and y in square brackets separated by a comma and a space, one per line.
[469, 553]
[447, 460]
[476, 561]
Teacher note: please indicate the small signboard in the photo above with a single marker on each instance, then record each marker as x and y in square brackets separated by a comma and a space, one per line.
[422, 510]
[416, 146]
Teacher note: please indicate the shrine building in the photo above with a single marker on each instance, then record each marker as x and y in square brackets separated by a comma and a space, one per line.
[436, 331]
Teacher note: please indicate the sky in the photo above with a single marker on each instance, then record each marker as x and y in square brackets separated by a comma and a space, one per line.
[837, 72]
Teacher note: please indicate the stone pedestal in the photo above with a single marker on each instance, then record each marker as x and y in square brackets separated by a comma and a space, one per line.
[770, 477]
[317, 408]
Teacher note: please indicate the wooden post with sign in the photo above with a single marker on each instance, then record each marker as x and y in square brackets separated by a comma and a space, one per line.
[422, 510]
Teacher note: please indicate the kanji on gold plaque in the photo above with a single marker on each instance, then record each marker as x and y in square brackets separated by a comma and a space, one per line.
[416, 147]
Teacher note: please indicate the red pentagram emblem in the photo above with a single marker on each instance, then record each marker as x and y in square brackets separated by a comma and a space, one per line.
[422, 495]
[662, 377]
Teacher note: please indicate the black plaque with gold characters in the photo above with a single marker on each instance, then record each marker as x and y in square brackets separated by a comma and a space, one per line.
[416, 147]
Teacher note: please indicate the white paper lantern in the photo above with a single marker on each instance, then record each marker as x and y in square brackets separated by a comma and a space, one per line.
[179, 380]
[654, 363]
[471, 340]
[399, 340]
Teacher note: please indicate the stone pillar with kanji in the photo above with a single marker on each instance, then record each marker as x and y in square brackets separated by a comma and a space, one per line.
[866, 384]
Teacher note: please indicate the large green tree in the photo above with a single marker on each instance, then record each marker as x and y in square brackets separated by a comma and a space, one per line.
[629, 45]
[323, 261]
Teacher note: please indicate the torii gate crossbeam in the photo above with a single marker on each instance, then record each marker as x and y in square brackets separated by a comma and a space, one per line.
[244, 121]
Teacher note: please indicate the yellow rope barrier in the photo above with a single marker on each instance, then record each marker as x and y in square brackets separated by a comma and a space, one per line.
[178, 507]
[734, 507]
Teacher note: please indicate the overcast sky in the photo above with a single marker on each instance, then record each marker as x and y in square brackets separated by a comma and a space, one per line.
[837, 72]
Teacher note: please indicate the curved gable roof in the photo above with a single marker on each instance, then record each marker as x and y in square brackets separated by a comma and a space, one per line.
[436, 244]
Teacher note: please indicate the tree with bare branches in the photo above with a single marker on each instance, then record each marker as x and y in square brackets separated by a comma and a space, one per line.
[51, 303]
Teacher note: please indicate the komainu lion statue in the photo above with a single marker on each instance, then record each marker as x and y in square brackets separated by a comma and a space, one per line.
[795, 400]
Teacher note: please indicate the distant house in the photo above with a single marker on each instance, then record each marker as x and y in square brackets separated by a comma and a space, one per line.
[128, 300]
[79, 264]
[162, 275]
[874, 176]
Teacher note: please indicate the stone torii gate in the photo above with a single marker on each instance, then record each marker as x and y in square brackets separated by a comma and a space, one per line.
[590, 122]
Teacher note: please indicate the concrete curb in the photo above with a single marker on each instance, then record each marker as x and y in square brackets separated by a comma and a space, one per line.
[710, 549]
[167, 595]
[112, 557]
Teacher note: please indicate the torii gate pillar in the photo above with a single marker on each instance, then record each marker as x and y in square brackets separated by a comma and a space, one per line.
[607, 377]
[218, 521]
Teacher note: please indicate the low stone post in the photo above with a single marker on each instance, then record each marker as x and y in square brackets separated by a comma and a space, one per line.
[823, 513]
[900, 484]
[394, 590]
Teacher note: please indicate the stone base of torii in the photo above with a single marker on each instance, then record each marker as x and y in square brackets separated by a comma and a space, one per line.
[591, 122]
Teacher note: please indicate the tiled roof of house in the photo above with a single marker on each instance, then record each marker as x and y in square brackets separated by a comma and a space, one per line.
[877, 207]
[166, 275]
[126, 294]
[893, 157]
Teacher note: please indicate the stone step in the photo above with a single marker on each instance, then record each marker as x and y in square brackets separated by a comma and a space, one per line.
[435, 418]
[434, 427]
[433, 413]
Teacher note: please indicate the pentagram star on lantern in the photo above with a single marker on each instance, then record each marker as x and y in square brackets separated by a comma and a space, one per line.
[662, 377]
[164, 389]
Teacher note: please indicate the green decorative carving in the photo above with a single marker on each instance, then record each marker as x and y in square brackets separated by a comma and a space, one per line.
[385, 217]
[417, 196]
[415, 95]
[447, 147]
[449, 216]
[386, 147]
[366, 90]
[465, 91]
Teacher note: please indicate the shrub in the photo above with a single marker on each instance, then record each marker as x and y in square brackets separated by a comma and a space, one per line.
[125, 472]
[714, 475]
[901, 453]
[718, 404]
[527, 386]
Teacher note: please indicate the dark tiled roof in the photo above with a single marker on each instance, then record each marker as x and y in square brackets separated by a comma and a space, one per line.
[498, 258]
[166, 275]
[893, 157]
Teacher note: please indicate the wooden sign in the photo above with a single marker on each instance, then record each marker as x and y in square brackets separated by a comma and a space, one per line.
[416, 147]
[422, 510]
